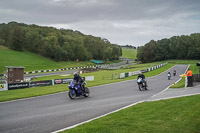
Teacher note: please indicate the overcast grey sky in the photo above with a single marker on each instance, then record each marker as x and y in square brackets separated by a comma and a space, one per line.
[133, 22]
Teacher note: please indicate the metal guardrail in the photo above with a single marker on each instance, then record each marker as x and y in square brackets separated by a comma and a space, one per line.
[65, 81]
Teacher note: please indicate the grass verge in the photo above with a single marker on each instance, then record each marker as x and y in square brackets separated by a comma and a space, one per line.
[179, 115]
[180, 84]
[31, 92]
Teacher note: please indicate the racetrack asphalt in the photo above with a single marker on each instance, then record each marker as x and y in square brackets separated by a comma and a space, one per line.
[54, 112]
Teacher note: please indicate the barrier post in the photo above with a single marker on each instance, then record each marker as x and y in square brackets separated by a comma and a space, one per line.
[186, 81]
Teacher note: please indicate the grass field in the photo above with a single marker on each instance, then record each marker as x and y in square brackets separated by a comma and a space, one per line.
[129, 53]
[180, 115]
[36, 91]
[32, 61]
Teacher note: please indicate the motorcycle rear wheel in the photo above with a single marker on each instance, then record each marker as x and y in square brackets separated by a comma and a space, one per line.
[72, 94]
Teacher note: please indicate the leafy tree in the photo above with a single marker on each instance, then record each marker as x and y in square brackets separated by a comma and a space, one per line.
[16, 38]
[177, 47]
[149, 51]
[59, 45]
[162, 50]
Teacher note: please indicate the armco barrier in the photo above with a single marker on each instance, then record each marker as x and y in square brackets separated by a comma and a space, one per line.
[123, 75]
[89, 78]
[18, 85]
[62, 81]
[144, 70]
[40, 83]
[126, 74]
[130, 73]
[64, 69]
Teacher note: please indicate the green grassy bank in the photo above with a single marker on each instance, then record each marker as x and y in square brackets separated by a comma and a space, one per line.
[33, 62]
[129, 53]
[180, 115]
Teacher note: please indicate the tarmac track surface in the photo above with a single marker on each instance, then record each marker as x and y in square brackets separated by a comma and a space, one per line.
[54, 112]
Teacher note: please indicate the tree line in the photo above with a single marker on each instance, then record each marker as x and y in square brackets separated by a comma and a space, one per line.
[57, 44]
[176, 47]
[128, 46]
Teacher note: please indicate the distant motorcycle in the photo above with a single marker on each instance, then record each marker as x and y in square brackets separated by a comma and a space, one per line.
[141, 84]
[75, 90]
[169, 75]
[174, 72]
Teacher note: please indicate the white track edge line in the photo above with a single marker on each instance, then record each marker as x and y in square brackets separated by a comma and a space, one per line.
[73, 126]
[158, 99]
[170, 85]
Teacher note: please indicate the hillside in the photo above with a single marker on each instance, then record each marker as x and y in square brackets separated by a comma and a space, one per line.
[57, 44]
[32, 61]
[129, 53]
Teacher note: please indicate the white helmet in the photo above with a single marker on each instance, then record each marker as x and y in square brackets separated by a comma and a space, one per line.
[75, 74]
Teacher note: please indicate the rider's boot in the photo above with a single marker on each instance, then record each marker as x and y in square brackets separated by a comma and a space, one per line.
[83, 88]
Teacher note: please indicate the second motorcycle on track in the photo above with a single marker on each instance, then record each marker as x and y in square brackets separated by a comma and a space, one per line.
[141, 84]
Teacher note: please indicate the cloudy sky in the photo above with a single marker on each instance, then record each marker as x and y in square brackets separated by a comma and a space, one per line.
[132, 22]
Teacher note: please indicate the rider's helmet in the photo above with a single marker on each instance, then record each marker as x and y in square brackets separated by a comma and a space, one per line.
[140, 73]
[75, 74]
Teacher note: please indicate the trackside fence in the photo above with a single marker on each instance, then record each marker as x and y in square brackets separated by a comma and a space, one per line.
[124, 75]
[128, 74]
[4, 87]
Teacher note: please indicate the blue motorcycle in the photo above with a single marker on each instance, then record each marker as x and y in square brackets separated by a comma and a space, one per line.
[75, 90]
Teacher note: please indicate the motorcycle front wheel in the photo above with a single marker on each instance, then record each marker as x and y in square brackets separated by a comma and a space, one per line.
[72, 94]
[87, 92]
[140, 87]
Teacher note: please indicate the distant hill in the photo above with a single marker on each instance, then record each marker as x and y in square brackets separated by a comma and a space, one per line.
[57, 44]
[32, 61]
[129, 53]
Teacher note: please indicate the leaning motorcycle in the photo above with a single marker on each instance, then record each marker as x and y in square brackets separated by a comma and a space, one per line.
[141, 84]
[75, 90]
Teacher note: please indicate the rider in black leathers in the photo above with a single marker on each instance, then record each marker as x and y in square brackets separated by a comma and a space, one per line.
[141, 75]
[79, 80]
